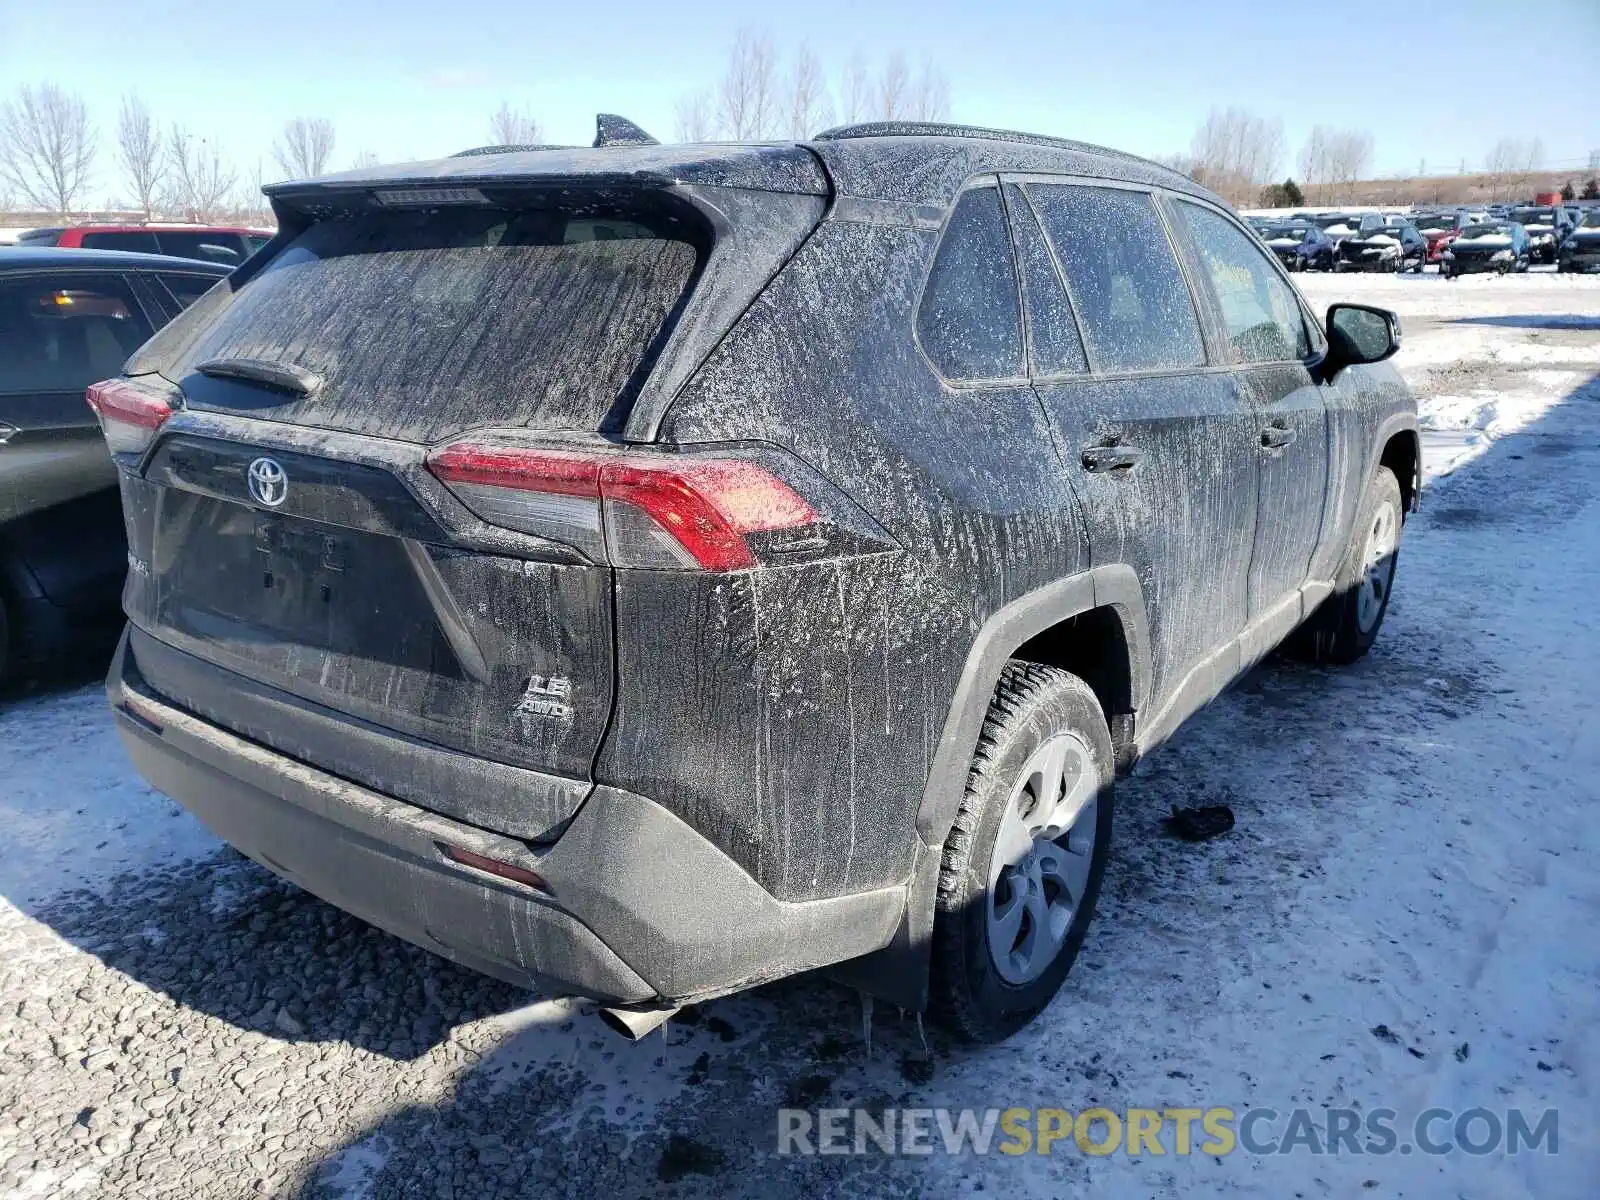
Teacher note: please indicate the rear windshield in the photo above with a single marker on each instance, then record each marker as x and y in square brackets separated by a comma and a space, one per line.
[425, 322]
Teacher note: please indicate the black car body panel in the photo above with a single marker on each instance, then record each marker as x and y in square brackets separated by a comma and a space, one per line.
[67, 319]
[726, 774]
[1387, 246]
[1497, 246]
[1580, 250]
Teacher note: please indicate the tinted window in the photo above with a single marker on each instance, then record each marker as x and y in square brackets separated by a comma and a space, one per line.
[186, 289]
[143, 243]
[426, 321]
[969, 322]
[1259, 311]
[62, 333]
[1130, 296]
[1053, 343]
[208, 245]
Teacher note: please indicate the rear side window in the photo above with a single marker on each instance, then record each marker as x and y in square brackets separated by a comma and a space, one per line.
[1261, 316]
[969, 321]
[423, 322]
[142, 243]
[61, 333]
[208, 245]
[1132, 302]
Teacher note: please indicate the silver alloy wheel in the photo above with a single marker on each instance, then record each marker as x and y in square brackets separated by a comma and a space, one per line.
[1039, 869]
[1377, 569]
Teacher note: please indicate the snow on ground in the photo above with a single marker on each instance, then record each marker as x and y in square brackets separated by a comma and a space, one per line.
[1404, 916]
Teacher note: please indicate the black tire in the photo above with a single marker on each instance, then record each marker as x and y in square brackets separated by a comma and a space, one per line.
[967, 995]
[1335, 633]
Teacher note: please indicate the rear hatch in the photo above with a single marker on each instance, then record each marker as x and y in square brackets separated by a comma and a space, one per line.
[284, 524]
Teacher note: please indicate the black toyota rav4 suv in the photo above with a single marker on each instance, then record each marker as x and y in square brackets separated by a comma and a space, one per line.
[644, 571]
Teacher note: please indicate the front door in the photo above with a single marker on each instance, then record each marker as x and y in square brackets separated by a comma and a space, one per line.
[1268, 338]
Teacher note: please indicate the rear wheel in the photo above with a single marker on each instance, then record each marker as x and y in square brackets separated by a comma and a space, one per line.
[1345, 626]
[1023, 862]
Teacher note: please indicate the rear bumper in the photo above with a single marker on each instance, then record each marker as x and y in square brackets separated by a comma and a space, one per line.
[640, 906]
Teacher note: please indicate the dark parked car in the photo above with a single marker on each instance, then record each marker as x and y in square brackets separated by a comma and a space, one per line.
[68, 318]
[1284, 239]
[1546, 227]
[582, 562]
[1381, 244]
[208, 243]
[1491, 245]
[1580, 251]
[1318, 250]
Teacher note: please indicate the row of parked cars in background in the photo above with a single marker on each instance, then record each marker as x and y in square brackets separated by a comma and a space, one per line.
[1459, 241]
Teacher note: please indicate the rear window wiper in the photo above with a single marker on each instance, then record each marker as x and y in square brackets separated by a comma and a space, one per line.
[284, 376]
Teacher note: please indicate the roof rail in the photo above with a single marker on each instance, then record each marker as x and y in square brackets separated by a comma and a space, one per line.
[508, 149]
[876, 129]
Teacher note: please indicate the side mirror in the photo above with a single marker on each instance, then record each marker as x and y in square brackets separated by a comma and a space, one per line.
[1359, 333]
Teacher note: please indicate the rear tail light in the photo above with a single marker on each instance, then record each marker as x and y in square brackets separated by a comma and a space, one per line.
[634, 510]
[129, 413]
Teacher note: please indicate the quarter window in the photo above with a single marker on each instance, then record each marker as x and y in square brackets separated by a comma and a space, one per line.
[1054, 347]
[1132, 302]
[969, 322]
[1259, 310]
[119, 239]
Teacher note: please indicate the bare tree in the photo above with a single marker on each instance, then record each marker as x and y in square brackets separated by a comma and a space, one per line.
[304, 147]
[1234, 152]
[1594, 160]
[693, 117]
[1510, 162]
[364, 159]
[1332, 160]
[47, 146]
[894, 88]
[930, 95]
[198, 177]
[747, 106]
[138, 153]
[808, 109]
[513, 127]
[855, 91]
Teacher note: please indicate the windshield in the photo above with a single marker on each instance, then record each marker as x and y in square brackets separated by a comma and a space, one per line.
[1591, 219]
[1276, 232]
[1441, 221]
[1489, 229]
[1534, 216]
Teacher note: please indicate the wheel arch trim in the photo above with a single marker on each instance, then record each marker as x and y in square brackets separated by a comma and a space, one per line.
[1114, 586]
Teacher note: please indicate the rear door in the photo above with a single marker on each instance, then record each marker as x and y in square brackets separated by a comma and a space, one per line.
[1270, 343]
[59, 332]
[285, 526]
[1159, 441]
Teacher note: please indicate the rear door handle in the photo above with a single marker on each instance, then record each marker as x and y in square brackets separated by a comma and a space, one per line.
[1111, 458]
[1276, 437]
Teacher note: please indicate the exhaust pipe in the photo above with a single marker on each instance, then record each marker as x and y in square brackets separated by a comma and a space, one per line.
[635, 1023]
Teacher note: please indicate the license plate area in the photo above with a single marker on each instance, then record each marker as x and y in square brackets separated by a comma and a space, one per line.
[272, 584]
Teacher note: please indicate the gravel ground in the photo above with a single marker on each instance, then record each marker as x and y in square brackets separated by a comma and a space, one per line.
[1415, 853]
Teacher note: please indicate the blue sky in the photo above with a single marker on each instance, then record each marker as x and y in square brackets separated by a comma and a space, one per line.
[1438, 82]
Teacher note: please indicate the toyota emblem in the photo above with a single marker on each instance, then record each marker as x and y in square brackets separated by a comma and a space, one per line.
[268, 482]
